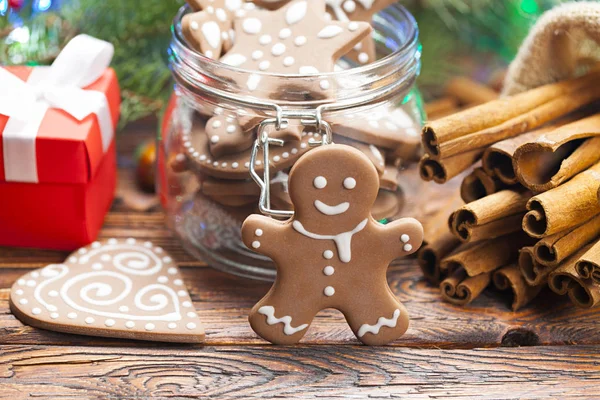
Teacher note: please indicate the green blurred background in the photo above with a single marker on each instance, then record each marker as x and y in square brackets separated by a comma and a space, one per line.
[460, 37]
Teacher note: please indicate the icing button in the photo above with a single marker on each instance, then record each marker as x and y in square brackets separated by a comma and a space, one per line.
[329, 270]
[328, 254]
[407, 247]
[405, 238]
[329, 291]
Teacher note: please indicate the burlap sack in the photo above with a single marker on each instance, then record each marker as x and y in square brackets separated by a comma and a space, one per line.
[563, 43]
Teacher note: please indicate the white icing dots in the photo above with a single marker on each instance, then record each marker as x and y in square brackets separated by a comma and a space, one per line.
[352, 26]
[328, 270]
[235, 165]
[105, 257]
[194, 25]
[192, 314]
[235, 59]
[89, 320]
[289, 61]
[285, 155]
[129, 324]
[307, 69]
[190, 325]
[405, 238]
[53, 293]
[124, 309]
[329, 291]
[349, 183]
[294, 151]
[329, 32]
[324, 84]
[19, 292]
[36, 274]
[408, 247]
[186, 304]
[363, 58]
[181, 293]
[257, 55]
[130, 241]
[23, 301]
[162, 279]
[264, 65]
[276, 158]
[349, 6]
[300, 41]
[231, 128]
[172, 325]
[258, 232]
[54, 315]
[96, 266]
[285, 33]
[328, 254]
[214, 139]
[172, 270]
[252, 26]
[320, 182]
[256, 244]
[216, 124]
[221, 14]
[278, 49]
[149, 326]
[109, 322]
[72, 315]
[265, 39]
[296, 12]
[178, 282]
[21, 282]
[31, 283]
[112, 241]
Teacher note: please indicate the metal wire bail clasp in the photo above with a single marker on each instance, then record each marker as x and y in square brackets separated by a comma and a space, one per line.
[263, 141]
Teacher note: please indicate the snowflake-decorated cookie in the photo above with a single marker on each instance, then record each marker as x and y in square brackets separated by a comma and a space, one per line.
[120, 288]
[295, 39]
[332, 253]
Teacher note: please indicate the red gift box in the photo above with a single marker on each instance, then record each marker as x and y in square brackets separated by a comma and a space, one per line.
[60, 201]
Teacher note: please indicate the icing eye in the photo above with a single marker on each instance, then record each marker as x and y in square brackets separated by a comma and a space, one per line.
[349, 183]
[320, 182]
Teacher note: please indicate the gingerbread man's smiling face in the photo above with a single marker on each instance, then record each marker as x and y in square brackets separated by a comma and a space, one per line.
[333, 188]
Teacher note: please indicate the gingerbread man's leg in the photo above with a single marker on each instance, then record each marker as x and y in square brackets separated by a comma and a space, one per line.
[380, 319]
[283, 316]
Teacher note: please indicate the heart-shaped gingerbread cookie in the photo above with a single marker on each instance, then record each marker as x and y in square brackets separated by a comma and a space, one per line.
[115, 288]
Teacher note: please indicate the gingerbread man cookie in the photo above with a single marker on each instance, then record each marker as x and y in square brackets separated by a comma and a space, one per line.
[332, 253]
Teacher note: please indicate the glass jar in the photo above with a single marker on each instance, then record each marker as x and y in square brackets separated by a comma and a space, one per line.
[204, 177]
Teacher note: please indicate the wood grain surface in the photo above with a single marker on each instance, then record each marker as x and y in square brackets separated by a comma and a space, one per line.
[448, 352]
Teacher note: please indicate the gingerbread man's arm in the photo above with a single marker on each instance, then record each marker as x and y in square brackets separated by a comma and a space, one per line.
[263, 234]
[402, 237]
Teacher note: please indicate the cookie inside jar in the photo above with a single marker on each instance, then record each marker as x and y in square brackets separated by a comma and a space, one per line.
[245, 69]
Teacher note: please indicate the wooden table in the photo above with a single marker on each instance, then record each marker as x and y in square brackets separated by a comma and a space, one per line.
[548, 349]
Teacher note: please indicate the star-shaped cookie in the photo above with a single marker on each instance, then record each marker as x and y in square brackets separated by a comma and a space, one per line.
[293, 39]
[209, 28]
[358, 10]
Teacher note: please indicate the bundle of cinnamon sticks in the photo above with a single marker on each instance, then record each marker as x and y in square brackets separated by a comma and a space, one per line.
[530, 179]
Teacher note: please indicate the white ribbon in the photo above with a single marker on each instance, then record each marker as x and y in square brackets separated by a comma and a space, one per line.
[83, 60]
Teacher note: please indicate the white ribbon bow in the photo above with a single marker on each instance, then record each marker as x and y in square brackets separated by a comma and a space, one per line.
[83, 60]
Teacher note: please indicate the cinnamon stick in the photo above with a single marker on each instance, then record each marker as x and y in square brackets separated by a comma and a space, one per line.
[461, 289]
[487, 255]
[510, 277]
[441, 171]
[588, 266]
[479, 184]
[564, 207]
[468, 91]
[431, 254]
[558, 155]
[552, 250]
[537, 117]
[497, 160]
[490, 217]
[565, 280]
[533, 272]
[498, 112]
[438, 240]
[441, 107]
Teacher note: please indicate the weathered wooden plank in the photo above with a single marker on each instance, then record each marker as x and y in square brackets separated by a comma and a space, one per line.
[300, 372]
[223, 302]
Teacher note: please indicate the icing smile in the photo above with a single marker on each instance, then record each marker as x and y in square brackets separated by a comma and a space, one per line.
[331, 210]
